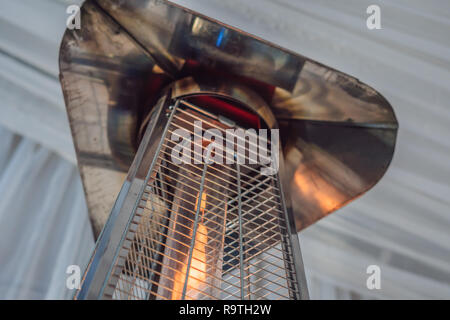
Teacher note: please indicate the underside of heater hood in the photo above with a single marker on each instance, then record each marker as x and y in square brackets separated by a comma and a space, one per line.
[338, 134]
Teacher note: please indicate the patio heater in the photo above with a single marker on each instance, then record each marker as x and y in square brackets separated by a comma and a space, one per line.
[146, 83]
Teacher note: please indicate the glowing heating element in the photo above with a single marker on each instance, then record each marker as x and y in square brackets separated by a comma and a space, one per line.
[198, 231]
[198, 278]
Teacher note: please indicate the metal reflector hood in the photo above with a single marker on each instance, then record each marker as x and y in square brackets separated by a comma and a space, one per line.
[338, 134]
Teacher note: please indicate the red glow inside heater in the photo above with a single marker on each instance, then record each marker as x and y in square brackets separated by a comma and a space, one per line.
[227, 109]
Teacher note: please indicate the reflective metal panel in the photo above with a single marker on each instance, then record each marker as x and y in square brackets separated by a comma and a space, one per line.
[338, 134]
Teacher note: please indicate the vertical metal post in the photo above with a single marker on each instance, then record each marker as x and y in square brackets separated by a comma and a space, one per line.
[194, 232]
[241, 231]
[141, 192]
[290, 244]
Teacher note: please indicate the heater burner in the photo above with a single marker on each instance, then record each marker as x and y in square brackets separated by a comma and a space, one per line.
[210, 230]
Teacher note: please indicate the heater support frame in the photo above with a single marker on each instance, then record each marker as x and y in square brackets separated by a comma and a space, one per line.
[96, 282]
[110, 240]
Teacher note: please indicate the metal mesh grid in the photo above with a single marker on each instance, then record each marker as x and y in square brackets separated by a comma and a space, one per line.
[205, 231]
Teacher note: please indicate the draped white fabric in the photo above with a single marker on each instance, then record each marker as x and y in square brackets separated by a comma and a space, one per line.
[44, 226]
[402, 225]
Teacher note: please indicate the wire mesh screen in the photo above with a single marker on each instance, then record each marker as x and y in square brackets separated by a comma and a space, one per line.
[204, 230]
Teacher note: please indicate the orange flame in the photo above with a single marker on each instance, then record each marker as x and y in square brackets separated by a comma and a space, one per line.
[197, 271]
